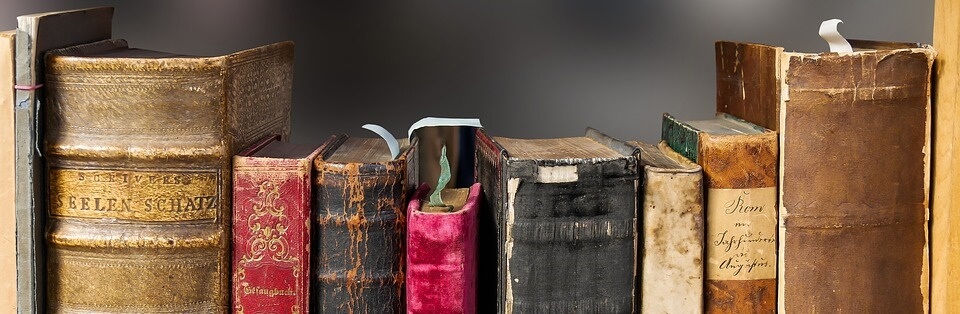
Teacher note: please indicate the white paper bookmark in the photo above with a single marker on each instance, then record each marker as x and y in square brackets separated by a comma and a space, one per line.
[387, 137]
[431, 121]
[828, 31]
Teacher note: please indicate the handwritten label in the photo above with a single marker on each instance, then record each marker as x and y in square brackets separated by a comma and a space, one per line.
[134, 195]
[741, 236]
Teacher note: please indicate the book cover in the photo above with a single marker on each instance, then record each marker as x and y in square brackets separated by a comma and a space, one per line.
[8, 218]
[361, 196]
[945, 167]
[739, 161]
[561, 227]
[442, 251]
[272, 184]
[855, 131]
[138, 148]
[36, 34]
[671, 210]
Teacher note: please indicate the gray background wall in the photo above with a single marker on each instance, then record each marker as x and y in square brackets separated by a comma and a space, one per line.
[526, 68]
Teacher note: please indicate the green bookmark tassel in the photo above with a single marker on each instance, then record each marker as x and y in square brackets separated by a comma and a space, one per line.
[435, 199]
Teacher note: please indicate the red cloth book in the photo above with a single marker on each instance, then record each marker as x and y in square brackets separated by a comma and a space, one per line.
[442, 252]
[271, 233]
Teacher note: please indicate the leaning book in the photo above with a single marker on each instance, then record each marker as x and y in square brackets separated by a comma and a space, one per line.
[139, 146]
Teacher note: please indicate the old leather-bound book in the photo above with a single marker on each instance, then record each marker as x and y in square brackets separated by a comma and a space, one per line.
[855, 160]
[8, 218]
[361, 198]
[271, 227]
[562, 220]
[671, 209]
[139, 147]
[39, 33]
[442, 251]
[739, 161]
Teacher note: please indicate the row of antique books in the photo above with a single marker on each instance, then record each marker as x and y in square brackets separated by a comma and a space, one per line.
[156, 182]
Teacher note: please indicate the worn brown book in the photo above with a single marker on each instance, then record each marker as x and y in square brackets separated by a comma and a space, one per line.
[854, 166]
[560, 230]
[671, 211]
[739, 161]
[361, 194]
[139, 146]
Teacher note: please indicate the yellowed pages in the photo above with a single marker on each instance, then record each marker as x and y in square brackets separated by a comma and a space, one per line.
[8, 227]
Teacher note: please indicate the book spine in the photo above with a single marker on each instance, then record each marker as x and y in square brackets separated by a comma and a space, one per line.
[442, 256]
[271, 235]
[8, 238]
[748, 82]
[137, 218]
[361, 225]
[855, 172]
[672, 250]
[570, 232]
[740, 173]
[490, 158]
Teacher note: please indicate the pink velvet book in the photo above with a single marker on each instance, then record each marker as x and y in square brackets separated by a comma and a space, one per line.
[442, 252]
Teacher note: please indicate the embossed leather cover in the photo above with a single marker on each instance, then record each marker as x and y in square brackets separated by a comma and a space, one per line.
[671, 266]
[442, 256]
[559, 233]
[271, 228]
[855, 160]
[360, 231]
[139, 147]
[740, 174]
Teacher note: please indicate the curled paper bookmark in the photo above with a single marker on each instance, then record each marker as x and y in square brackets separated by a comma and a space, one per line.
[828, 31]
[431, 121]
[387, 137]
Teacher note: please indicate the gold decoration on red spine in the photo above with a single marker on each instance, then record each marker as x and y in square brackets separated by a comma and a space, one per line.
[268, 227]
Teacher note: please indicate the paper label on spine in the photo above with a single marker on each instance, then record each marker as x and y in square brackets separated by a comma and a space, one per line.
[741, 241]
[134, 195]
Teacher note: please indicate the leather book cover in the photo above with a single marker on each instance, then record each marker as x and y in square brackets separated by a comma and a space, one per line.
[563, 215]
[139, 147]
[272, 184]
[671, 210]
[739, 161]
[442, 251]
[855, 132]
[8, 218]
[36, 34]
[361, 195]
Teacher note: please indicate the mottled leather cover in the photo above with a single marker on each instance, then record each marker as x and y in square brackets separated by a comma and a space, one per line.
[734, 162]
[855, 148]
[671, 250]
[271, 231]
[442, 256]
[557, 245]
[139, 161]
[360, 232]
[748, 82]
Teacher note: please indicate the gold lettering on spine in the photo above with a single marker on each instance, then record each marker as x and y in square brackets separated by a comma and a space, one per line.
[741, 239]
[134, 194]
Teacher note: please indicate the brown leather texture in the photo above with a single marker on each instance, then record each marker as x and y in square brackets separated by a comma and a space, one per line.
[740, 162]
[748, 82]
[139, 167]
[856, 144]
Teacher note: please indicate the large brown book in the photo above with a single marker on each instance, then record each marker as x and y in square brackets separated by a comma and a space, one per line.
[139, 146]
[8, 218]
[671, 211]
[739, 161]
[361, 194]
[272, 185]
[559, 234]
[854, 165]
[36, 34]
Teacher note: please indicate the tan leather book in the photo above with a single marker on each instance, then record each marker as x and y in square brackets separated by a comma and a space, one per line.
[671, 210]
[739, 161]
[138, 146]
[8, 218]
[854, 165]
[945, 188]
